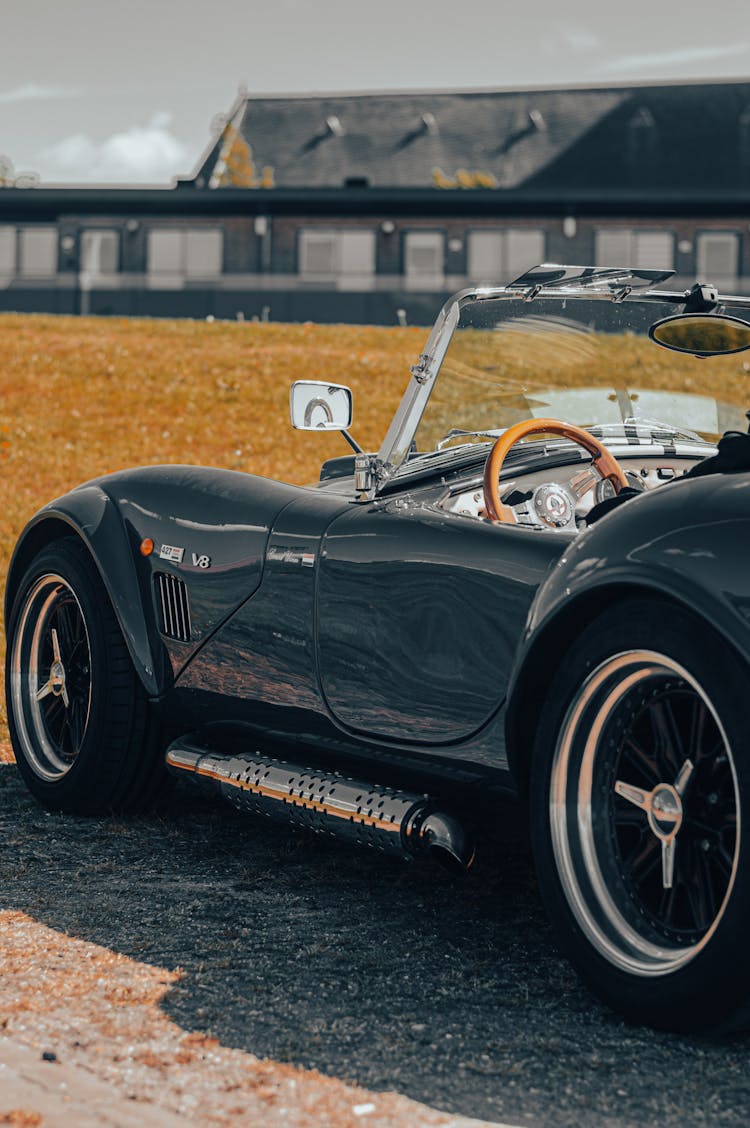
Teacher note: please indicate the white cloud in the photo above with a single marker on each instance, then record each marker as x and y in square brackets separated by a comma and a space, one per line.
[35, 92]
[675, 58]
[579, 38]
[563, 39]
[148, 154]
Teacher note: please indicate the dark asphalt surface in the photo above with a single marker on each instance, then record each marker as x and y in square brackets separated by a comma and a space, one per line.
[445, 988]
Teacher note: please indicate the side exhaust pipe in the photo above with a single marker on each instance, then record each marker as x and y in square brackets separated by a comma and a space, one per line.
[394, 822]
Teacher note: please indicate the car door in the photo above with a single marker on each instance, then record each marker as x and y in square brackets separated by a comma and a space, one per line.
[418, 617]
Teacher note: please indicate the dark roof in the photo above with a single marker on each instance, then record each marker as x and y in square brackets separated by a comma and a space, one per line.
[650, 136]
[69, 204]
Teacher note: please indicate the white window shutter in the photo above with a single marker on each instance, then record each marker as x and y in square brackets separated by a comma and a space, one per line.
[718, 256]
[613, 246]
[165, 250]
[38, 251]
[7, 250]
[424, 254]
[524, 248]
[484, 257]
[203, 252]
[318, 252]
[654, 250]
[99, 252]
[357, 252]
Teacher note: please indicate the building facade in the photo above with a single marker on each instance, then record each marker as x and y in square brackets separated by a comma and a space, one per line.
[373, 208]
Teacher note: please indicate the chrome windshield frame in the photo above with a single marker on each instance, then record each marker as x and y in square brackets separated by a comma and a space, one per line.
[398, 439]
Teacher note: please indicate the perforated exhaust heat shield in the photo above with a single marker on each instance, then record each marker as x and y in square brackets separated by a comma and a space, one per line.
[394, 822]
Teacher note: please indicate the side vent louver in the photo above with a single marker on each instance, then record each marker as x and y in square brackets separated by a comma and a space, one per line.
[172, 601]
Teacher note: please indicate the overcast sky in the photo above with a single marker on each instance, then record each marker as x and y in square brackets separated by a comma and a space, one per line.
[98, 91]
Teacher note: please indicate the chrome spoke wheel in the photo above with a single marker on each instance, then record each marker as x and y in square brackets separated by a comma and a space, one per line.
[644, 813]
[50, 677]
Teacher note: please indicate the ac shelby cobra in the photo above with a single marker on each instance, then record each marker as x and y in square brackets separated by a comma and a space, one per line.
[539, 584]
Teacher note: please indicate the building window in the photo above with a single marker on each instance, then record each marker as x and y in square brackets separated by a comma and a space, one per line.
[165, 252]
[318, 253]
[37, 251]
[523, 249]
[502, 256]
[7, 250]
[343, 255]
[624, 246]
[188, 252]
[484, 255]
[100, 252]
[424, 256]
[718, 254]
[203, 253]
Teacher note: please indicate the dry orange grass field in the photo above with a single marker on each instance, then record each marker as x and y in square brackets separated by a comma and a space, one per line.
[80, 397]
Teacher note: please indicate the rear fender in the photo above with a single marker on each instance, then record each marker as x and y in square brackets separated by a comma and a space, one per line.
[685, 544]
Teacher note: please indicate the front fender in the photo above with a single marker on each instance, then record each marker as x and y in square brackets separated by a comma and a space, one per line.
[219, 518]
[688, 542]
[89, 513]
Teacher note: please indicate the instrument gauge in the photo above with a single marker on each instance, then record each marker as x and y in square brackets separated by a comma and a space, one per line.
[605, 489]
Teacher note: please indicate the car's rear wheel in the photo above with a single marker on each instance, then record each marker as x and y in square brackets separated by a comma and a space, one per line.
[639, 783]
[82, 731]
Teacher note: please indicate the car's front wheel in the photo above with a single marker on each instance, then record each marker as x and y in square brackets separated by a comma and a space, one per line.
[640, 780]
[81, 728]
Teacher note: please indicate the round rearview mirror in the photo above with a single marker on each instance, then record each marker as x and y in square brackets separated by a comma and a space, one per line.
[702, 334]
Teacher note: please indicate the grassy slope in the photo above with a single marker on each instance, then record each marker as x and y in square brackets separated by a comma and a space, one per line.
[83, 396]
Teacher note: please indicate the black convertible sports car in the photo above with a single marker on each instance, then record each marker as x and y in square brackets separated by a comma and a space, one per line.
[540, 584]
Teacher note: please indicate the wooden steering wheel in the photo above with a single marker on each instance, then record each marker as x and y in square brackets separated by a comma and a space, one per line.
[603, 461]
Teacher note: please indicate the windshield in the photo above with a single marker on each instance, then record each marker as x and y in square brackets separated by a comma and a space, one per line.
[587, 362]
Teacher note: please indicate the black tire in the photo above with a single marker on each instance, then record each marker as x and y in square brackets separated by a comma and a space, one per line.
[642, 743]
[83, 733]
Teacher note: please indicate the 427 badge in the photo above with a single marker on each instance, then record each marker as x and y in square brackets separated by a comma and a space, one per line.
[176, 555]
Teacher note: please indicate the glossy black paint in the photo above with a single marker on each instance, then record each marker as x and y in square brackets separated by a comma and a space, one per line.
[219, 513]
[313, 657]
[260, 668]
[419, 617]
[391, 630]
[687, 542]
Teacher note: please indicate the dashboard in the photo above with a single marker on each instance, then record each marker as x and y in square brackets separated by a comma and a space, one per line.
[559, 499]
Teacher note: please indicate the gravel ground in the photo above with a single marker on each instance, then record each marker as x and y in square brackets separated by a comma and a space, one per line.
[447, 989]
[90, 1047]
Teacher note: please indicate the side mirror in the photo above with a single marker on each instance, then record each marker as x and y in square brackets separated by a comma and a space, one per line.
[315, 406]
[702, 334]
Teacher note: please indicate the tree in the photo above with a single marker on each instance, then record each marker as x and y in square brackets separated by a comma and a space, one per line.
[9, 178]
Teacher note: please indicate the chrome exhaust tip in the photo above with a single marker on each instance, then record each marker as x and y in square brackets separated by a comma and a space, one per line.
[447, 841]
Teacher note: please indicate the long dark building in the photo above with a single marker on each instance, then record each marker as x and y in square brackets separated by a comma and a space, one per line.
[373, 207]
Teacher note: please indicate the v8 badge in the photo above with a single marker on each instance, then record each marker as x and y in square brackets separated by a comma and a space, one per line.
[201, 561]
